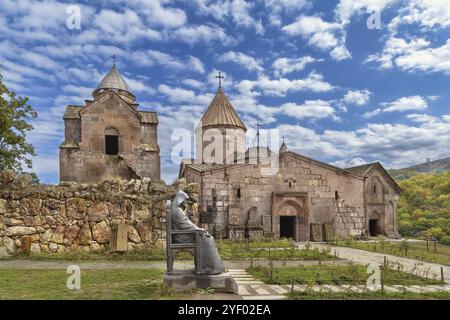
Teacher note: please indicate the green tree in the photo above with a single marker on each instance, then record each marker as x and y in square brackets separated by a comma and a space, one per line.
[15, 118]
[424, 206]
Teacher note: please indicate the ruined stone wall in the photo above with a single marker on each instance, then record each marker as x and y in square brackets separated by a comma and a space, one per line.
[73, 216]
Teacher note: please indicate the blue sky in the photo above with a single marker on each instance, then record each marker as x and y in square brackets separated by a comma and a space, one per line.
[339, 91]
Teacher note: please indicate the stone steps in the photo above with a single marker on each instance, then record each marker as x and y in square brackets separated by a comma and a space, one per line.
[250, 288]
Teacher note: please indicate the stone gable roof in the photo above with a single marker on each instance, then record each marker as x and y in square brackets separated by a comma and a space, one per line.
[364, 169]
[221, 112]
[149, 117]
[72, 112]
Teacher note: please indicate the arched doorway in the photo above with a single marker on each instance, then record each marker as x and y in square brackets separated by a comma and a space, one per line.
[289, 217]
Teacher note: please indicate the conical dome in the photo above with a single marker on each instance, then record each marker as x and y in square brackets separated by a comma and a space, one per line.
[283, 147]
[113, 81]
[220, 112]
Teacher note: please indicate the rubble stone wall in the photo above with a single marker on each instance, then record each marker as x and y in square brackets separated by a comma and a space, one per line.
[74, 216]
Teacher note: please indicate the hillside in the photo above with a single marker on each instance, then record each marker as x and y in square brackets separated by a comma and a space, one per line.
[435, 166]
[424, 206]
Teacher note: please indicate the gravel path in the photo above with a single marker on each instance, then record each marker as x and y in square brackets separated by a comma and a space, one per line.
[424, 269]
[110, 265]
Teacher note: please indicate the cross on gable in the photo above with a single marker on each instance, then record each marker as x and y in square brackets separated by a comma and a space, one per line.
[220, 77]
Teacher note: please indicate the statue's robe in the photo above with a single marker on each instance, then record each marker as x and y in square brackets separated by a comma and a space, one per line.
[210, 261]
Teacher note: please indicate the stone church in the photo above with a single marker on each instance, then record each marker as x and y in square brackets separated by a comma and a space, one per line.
[305, 199]
[109, 137]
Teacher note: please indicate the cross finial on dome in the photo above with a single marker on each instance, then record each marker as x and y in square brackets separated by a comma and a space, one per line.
[220, 77]
[114, 59]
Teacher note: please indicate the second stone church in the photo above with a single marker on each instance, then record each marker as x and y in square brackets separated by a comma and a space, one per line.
[304, 199]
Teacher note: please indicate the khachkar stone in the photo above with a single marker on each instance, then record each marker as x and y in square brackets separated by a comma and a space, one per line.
[209, 270]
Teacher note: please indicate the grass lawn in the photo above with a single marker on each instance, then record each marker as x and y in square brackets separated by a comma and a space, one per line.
[378, 295]
[413, 250]
[349, 274]
[95, 284]
[275, 249]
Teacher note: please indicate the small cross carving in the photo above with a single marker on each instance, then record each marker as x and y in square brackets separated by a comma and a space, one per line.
[220, 77]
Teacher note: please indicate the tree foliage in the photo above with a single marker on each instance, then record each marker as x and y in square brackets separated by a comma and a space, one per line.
[424, 206]
[15, 118]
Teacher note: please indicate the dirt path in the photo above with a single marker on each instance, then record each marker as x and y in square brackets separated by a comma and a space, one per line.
[424, 269]
[109, 265]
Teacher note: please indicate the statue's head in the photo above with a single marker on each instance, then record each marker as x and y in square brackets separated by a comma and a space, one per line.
[180, 197]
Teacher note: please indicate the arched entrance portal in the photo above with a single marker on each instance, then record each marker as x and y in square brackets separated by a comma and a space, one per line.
[289, 216]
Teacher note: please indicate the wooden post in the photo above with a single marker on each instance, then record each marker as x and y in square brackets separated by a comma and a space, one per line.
[381, 278]
[442, 275]
[435, 246]
[385, 261]
[292, 284]
[271, 271]
[357, 275]
[427, 245]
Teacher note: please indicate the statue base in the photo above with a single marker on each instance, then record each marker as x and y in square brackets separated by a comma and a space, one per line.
[186, 280]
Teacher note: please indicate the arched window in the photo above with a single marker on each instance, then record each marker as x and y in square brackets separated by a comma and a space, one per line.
[238, 193]
[336, 195]
[374, 189]
[111, 141]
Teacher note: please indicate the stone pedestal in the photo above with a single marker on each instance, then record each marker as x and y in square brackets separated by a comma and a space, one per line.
[186, 280]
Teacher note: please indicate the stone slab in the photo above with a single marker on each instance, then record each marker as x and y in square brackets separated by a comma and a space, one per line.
[186, 280]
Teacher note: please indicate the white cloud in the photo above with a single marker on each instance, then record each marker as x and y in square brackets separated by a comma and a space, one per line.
[422, 118]
[277, 8]
[237, 10]
[407, 103]
[347, 8]
[347, 163]
[242, 59]
[395, 145]
[426, 13]
[399, 105]
[193, 34]
[284, 66]
[157, 13]
[178, 95]
[373, 113]
[415, 55]
[357, 97]
[326, 36]
[315, 109]
[120, 27]
[193, 83]
[279, 87]
[155, 57]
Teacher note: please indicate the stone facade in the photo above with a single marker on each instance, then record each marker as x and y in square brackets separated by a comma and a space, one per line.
[85, 154]
[303, 198]
[73, 216]
[238, 196]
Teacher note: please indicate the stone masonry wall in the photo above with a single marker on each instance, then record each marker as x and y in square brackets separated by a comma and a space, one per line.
[73, 216]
